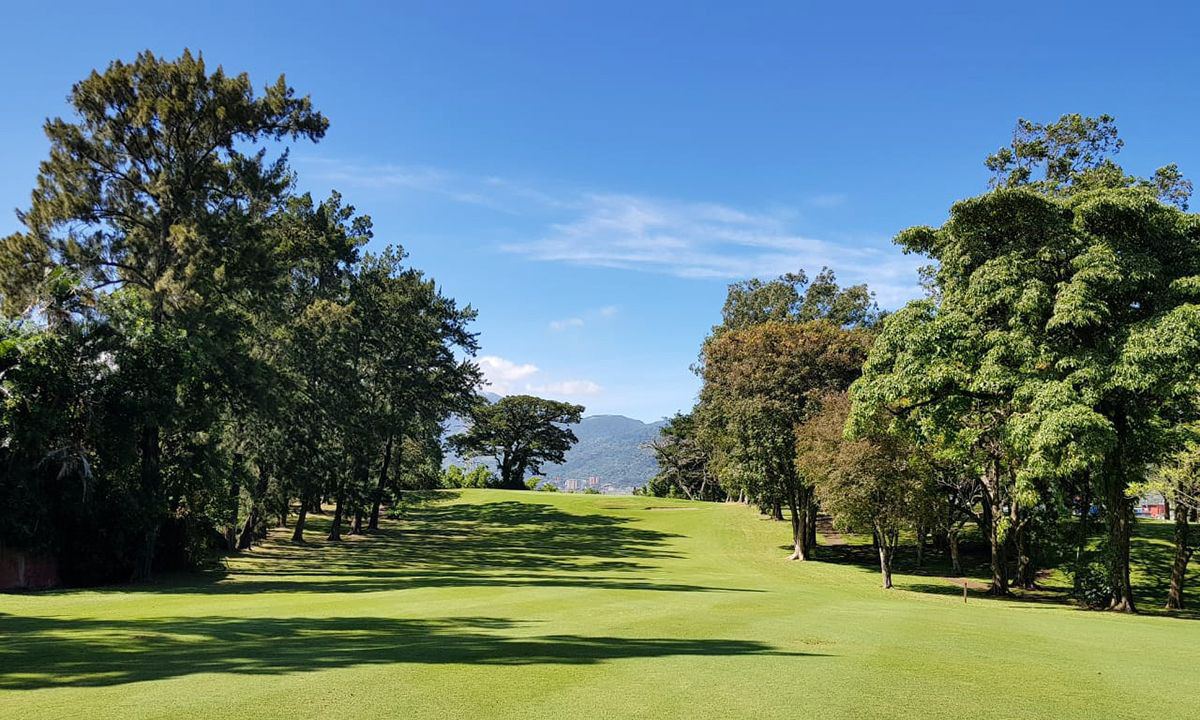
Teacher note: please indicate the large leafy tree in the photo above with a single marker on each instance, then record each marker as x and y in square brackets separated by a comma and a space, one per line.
[154, 200]
[521, 432]
[793, 298]
[413, 338]
[759, 384]
[870, 482]
[1178, 480]
[683, 463]
[1062, 341]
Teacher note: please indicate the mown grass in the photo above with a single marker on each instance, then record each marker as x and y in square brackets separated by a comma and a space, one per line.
[486, 604]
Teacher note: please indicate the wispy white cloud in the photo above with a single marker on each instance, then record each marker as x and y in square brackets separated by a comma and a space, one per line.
[634, 232]
[489, 192]
[704, 240]
[505, 377]
[564, 324]
[608, 311]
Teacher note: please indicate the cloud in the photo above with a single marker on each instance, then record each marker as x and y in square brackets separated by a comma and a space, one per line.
[711, 241]
[623, 231]
[503, 375]
[495, 193]
[506, 377]
[560, 325]
[608, 311]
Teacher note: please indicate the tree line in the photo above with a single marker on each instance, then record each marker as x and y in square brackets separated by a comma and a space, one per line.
[1050, 373]
[192, 351]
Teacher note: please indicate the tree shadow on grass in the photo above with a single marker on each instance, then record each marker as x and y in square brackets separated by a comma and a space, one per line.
[41, 652]
[435, 544]
[1151, 554]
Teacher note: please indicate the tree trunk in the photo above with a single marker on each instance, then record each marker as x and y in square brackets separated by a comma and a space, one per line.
[335, 529]
[886, 543]
[283, 513]
[955, 564]
[798, 506]
[777, 511]
[1119, 527]
[301, 516]
[993, 512]
[921, 533]
[1120, 520]
[1025, 572]
[247, 537]
[358, 521]
[512, 474]
[256, 500]
[235, 502]
[1166, 508]
[1081, 540]
[151, 481]
[379, 487]
[1183, 554]
[811, 523]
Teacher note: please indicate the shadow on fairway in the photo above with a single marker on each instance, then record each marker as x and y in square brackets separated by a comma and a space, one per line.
[41, 652]
[1151, 553]
[437, 544]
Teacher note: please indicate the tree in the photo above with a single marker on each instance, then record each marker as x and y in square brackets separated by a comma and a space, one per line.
[1073, 154]
[151, 203]
[414, 376]
[791, 298]
[865, 482]
[759, 383]
[1179, 482]
[520, 432]
[1061, 342]
[683, 462]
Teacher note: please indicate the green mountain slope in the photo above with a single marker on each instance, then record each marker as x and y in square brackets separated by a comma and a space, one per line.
[611, 448]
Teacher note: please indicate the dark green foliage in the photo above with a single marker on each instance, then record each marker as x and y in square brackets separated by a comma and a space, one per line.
[1061, 343]
[520, 432]
[1094, 587]
[790, 298]
[191, 348]
[683, 463]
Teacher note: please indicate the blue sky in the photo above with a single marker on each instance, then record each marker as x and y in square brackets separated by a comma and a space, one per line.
[590, 177]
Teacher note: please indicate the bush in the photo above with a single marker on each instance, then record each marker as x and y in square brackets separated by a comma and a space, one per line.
[1094, 586]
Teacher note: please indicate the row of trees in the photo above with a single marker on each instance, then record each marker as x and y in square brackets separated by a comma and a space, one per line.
[1052, 369]
[191, 349]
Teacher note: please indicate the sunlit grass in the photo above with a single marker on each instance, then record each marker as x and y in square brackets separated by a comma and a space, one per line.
[490, 603]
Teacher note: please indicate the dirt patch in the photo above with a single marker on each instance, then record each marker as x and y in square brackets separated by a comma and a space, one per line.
[828, 533]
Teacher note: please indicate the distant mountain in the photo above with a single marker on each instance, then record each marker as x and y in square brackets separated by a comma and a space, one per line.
[611, 449]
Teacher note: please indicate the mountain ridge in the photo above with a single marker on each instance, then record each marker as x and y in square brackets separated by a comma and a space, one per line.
[611, 448]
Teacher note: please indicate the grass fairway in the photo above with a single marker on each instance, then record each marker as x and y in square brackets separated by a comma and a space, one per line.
[536, 605]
